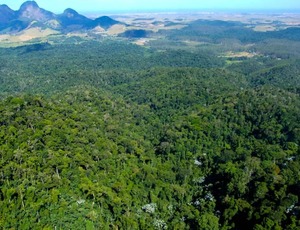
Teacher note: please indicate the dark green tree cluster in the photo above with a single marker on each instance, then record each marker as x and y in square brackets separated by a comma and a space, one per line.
[110, 135]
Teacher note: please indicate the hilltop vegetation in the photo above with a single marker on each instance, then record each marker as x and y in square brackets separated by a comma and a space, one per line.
[110, 135]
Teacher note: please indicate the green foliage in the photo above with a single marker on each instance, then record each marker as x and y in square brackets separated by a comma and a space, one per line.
[215, 30]
[114, 136]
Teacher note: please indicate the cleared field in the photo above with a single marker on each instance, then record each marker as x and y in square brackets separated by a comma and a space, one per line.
[239, 54]
[26, 35]
[264, 28]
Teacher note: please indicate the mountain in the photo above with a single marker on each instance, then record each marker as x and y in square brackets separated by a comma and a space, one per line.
[31, 11]
[105, 22]
[31, 14]
[71, 19]
[6, 14]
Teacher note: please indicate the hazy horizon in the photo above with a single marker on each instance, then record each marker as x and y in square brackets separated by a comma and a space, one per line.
[90, 6]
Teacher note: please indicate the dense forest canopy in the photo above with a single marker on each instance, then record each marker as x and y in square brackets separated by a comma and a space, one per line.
[111, 135]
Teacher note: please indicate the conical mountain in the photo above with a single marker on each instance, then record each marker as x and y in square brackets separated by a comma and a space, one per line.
[71, 18]
[31, 11]
[105, 22]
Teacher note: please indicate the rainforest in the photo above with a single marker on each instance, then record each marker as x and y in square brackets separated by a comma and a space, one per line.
[196, 128]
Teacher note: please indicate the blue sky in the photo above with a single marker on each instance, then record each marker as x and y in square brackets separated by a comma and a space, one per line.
[58, 6]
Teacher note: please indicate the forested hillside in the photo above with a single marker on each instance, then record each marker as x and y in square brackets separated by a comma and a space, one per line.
[111, 135]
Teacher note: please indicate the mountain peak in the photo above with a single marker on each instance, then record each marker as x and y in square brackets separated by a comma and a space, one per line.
[28, 4]
[105, 22]
[6, 14]
[31, 11]
[71, 19]
[5, 10]
[5, 7]
[70, 12]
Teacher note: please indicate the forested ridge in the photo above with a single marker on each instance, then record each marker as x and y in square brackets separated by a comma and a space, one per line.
[111, 135]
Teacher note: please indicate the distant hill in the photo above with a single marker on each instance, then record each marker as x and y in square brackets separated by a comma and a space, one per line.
[105, 22]
[72, 20]
[30, 13]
